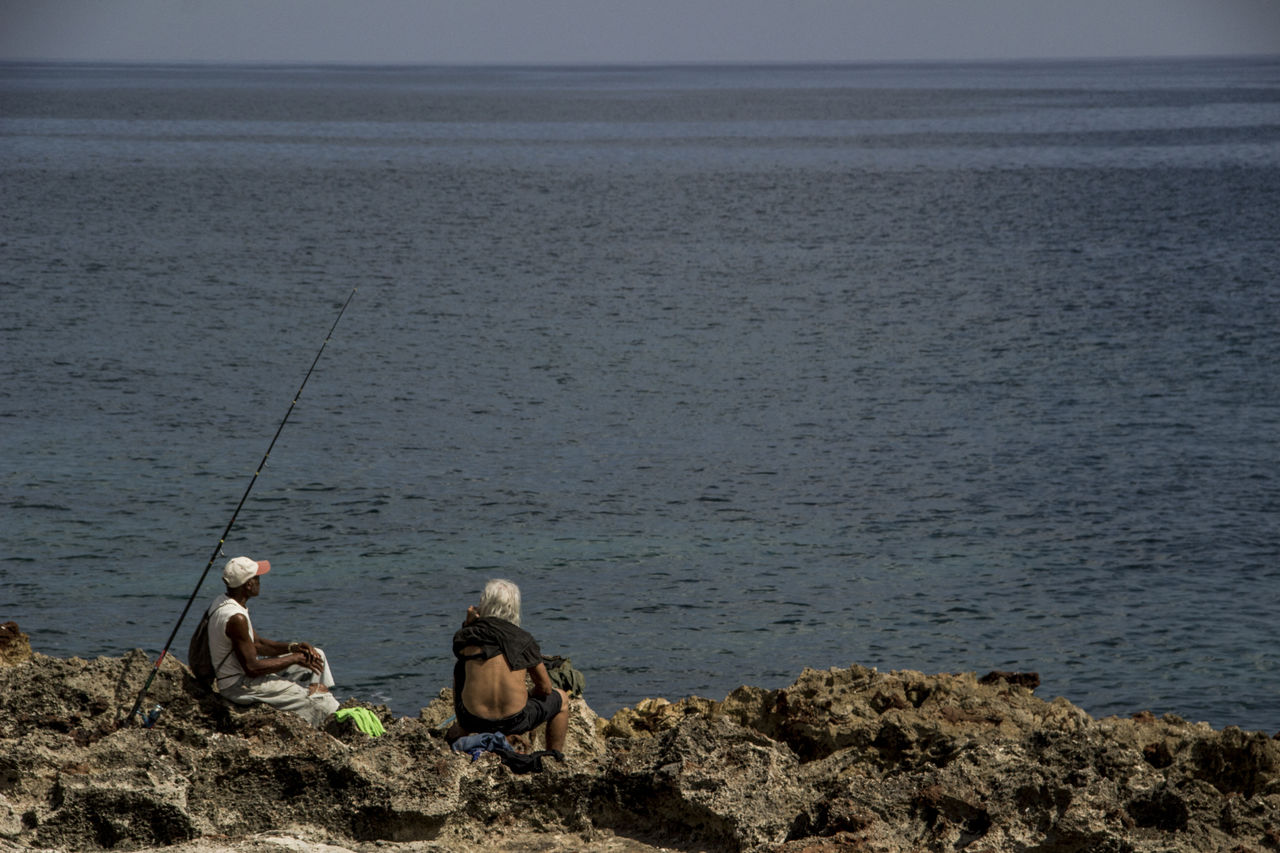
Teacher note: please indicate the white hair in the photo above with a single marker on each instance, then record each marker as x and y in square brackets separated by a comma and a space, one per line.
[501, 600]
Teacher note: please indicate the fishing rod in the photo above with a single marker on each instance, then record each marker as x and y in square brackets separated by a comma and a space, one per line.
[217, 549]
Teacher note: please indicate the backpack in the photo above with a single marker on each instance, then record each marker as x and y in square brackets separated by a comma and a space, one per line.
[198, 656]
[564, 675]
[200, 659]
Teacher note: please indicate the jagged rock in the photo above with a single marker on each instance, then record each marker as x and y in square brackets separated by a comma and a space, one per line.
[842, 760]
[15, 646]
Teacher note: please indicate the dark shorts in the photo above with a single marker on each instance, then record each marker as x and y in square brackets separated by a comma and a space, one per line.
[535, 713]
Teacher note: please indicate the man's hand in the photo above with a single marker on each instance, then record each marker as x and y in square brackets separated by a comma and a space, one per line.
[311, 658]
[472, 615]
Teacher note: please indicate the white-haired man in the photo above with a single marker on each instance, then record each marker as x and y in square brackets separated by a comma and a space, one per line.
[250, 668]
[494, 655]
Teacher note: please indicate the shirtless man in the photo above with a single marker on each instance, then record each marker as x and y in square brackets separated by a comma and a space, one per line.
[494, 655]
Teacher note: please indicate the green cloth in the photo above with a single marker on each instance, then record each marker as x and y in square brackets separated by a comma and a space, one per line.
[564, 675]
[365, 720]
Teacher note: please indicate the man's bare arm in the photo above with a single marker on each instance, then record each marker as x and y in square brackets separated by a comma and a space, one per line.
[542, 685]
[247, 651]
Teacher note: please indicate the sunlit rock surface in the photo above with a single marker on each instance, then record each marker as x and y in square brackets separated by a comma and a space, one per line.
[842, 760]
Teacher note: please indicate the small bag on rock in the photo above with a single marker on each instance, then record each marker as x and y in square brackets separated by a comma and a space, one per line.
[564, 675]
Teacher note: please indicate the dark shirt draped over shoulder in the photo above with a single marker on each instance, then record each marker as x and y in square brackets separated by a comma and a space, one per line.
[499, 637]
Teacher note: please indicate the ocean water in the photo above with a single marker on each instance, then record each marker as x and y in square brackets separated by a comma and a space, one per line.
[735, 370]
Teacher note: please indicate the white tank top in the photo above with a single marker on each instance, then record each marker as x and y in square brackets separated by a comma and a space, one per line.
[224, 659]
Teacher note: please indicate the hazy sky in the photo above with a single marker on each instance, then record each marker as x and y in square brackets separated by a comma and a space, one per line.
[629, 31]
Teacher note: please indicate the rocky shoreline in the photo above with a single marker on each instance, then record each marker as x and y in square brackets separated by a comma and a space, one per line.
[842, 760]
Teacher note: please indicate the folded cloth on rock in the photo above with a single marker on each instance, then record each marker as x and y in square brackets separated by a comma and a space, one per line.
[564, 675]
[364, 719]
[473, 745]
[496, 742]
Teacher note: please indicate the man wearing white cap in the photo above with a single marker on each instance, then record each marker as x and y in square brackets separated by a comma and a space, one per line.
[250, 668]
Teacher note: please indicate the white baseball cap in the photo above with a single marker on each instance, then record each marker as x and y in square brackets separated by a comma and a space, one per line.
[239, 569]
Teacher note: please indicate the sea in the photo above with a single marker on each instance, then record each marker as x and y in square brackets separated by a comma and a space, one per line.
[735, 370]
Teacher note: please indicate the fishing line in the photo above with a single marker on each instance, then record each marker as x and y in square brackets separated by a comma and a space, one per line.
[217, 549]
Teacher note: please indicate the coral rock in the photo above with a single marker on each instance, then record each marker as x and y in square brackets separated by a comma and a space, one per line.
[842, 760]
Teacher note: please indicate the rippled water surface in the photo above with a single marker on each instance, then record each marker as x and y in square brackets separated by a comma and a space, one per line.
[734, 370]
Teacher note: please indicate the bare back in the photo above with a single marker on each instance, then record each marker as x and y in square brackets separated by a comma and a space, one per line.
[493, 690]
